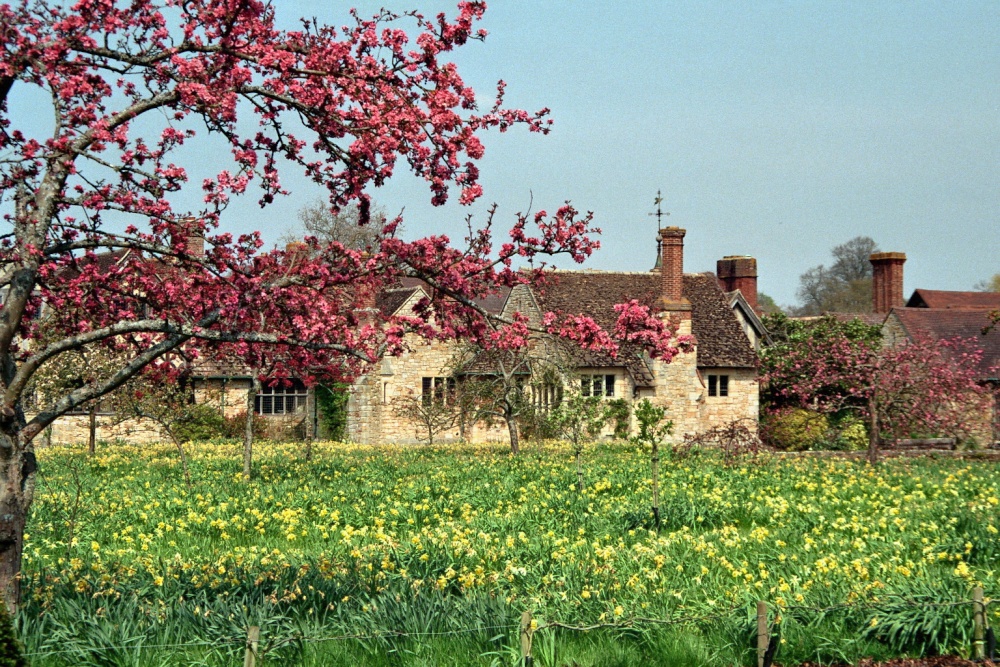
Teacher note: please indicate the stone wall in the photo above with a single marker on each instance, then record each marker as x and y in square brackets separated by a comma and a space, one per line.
[681, 388]
[75, 430]
[742, 403]
[377, 398]
[893, 332]
[228, 396]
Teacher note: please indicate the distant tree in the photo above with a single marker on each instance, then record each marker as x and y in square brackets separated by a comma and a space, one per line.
[852, 259]
[494, 378]
[345, 226]
[844, 287]
[991, 285]
[76, 369]
[167, 401]
[767, 304]
[509, 358]
[789, 334]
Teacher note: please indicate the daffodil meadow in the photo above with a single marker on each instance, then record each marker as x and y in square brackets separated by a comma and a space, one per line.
[396, 555]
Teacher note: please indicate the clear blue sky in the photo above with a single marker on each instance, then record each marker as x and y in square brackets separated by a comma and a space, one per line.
[774, 129]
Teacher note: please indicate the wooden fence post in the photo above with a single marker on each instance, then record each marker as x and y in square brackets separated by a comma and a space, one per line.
[253, 640]
[526, 632]
[763, 638]
[978, 624]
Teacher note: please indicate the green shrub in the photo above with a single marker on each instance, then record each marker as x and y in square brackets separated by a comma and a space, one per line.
[852, 435]
[10, 648]
[199, 423]
[235, 427]
[535, 424]
[332, 404]
[618, 412]
[796, 430]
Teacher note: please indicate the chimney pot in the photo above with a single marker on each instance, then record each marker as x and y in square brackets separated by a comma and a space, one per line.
[887, 280]
[190, 237]
[739, 272]
[295, 252]
[672, 271]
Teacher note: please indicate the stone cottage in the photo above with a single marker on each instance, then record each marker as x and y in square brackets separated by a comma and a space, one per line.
[711, 386]
[714, 384]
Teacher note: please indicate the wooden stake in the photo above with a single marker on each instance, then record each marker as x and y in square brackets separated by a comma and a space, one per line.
[978, 624]
[763, 638]
[253, 639]
[526, 633]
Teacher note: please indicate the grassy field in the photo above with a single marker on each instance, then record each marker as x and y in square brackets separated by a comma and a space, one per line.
[402, 555]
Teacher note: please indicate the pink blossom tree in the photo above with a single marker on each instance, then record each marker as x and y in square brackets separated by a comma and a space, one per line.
[924, 385]
[99, 238]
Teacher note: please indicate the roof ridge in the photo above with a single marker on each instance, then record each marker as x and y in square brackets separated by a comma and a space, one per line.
[620, 273]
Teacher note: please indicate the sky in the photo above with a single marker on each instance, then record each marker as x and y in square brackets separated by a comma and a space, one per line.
[773, 129]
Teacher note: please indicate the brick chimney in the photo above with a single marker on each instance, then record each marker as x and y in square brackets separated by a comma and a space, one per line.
[190, 237]
[739, 272]
[672, 271]
[295, 251]
[196, 245]
[887, 280]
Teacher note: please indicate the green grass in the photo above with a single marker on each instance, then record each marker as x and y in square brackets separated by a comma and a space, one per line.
[403, 555]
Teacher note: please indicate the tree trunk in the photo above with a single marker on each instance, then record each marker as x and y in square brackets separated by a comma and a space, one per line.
[873, 435]
[17, 486]
[92, 440]
[248, 431]
[579, 468]
[312, 421]
[654, 460]
[515, 449]
[184, 461]
[462, 425]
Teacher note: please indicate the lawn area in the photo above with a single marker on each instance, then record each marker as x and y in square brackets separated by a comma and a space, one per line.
[401, 555]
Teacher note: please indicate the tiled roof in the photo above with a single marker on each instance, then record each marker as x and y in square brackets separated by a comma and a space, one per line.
[928, 298]
[721, 340]
[212, 367]
[390, 300]
[941, 323]
[872, 319]
[104, 261]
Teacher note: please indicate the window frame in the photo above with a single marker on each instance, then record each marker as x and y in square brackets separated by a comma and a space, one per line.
[291, 393]
[438, 389]
[546, 396]
[599, 385]
[718, 385]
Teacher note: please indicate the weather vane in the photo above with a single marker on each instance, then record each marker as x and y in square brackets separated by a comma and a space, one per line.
[659, 211]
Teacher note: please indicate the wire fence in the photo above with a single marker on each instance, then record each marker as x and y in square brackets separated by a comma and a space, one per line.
[983, 645]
